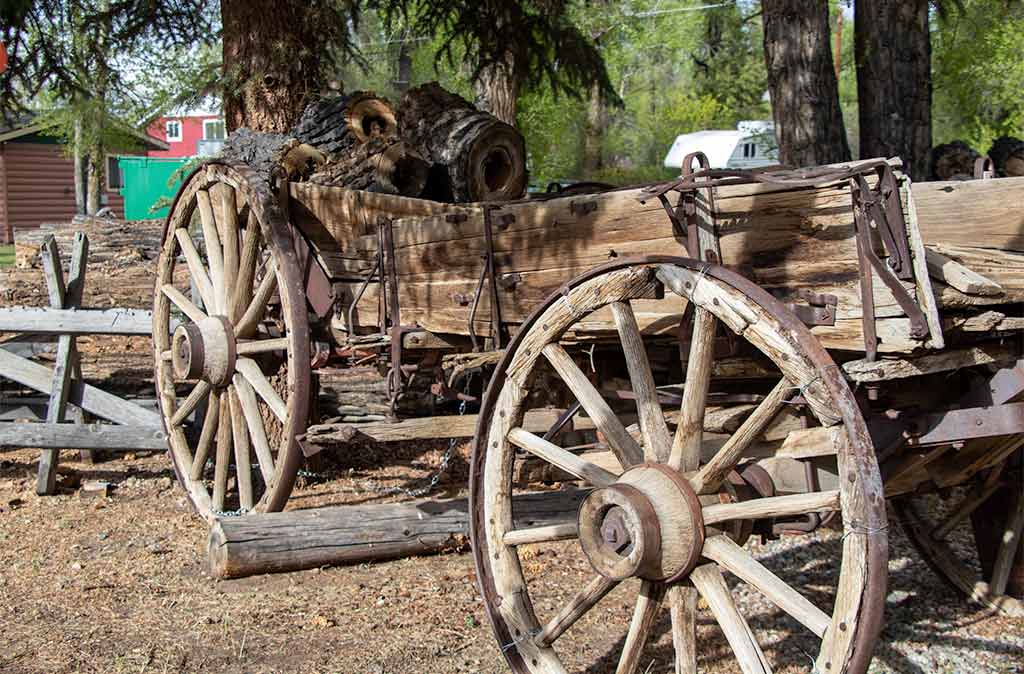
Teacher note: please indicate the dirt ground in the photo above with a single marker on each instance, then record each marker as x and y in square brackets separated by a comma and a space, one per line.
[117, 584]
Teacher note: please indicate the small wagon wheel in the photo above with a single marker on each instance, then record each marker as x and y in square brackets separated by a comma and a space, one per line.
[231, 342]
[972, 538]
[659, 524]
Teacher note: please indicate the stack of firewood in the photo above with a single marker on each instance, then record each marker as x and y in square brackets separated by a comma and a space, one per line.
[435, 146]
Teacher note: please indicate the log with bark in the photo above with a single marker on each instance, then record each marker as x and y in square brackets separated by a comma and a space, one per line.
[479, 157]
[378, 165]
[1007, 155]
[308, 539]
[953, 161]
[337, 125]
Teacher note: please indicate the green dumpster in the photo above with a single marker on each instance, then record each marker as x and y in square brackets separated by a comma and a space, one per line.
[145, 181]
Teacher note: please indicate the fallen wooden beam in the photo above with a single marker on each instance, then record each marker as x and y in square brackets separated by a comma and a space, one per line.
[864, 370]
[308, 539]
[89, 398]
[81, 436]
[961, 277]
[46, 321]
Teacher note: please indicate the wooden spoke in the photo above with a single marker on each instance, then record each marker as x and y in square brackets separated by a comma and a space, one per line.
[194, 313]
[964, 509]
[774, 506]
[190, 403]
[206, 436]
[196, 268]
[213, 250]
[229, 239]
[220, 467]
[261, 346]
[621, 442]
[657, 440]
[689, 433]
[735, 559]
[683, 610]
[246, 269]
[257, 432]
[1008, 547]
[258, 305]
[709, 582]
[252, 373]
[556, 456]
[647, 605]
[714, 472]
[545, 534]
[577, 607]
[243, 465]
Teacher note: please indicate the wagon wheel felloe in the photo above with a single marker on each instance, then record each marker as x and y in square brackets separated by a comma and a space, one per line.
[659, 525]
[231, 343]
[984, 562]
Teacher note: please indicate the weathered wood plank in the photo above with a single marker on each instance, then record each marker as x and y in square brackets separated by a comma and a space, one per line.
[49, 321]
[90, 398]
[980, 213]
[56, 436]
[964, 279]
[952, 359]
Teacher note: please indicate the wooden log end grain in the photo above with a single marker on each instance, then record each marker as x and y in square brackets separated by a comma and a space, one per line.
[485, 158]
[336, 125]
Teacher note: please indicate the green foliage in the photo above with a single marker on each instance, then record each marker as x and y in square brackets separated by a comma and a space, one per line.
[7, 256]
[978, 72]
[539, 36]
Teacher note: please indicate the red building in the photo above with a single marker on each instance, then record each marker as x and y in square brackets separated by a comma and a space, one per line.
[188, 135]
[37, 178]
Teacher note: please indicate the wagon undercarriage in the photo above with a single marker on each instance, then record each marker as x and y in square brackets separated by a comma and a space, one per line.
[728, 356]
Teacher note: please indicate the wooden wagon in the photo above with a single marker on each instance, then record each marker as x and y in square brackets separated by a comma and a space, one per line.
[724, 356]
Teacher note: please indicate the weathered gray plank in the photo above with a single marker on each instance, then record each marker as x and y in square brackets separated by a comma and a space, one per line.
[48, 321]
[54, 437]
[91, 399]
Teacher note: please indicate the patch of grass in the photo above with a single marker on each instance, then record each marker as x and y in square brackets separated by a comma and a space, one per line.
[6, 256]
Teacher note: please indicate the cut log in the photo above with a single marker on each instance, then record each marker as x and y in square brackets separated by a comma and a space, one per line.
[483, 158]
[953, 161]
[379, 165]
[336, 125]
[308, 539]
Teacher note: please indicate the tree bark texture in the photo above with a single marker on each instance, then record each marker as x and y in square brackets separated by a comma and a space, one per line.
[894, 84]
[802, 81]
[497, 89]
[482, 158]
[271, 61]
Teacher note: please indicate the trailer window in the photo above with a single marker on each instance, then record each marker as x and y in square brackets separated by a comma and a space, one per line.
[115, 176]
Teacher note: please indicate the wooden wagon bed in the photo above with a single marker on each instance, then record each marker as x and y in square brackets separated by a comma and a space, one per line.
[797, 243]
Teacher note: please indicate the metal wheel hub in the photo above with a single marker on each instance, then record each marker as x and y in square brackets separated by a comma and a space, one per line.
[647, 524]
[204, 350]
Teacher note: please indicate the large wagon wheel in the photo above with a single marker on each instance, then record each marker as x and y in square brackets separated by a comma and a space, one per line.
[955, 537]
[663, 525]
[231, 342]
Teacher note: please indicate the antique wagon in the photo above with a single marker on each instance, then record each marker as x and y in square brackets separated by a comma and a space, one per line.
[724, 356]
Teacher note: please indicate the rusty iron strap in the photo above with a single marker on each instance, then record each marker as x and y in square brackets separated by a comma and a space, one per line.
[943, 428]
[496, 326]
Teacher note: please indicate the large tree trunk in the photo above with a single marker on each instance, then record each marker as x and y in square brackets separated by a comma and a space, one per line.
[94, 199]
[802, 82]
[271, 61]
[894, 83]
[497, 89]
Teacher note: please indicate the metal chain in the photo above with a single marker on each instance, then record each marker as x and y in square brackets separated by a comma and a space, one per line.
[434, 479]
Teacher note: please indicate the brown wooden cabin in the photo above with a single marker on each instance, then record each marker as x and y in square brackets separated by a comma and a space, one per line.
[37, 178]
